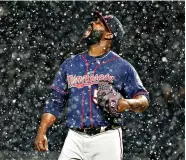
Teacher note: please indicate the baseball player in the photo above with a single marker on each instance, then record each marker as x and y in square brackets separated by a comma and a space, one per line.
[97, 86]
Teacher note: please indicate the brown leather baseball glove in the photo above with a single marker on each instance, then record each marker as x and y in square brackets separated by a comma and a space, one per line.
[108, 97]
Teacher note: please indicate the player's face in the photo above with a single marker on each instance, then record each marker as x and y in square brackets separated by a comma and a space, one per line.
[95, 33]
[96, 26]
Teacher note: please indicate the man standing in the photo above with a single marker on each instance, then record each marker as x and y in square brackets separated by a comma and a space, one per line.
[98, 86]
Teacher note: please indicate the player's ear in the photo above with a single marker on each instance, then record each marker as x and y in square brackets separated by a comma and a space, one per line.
[108, 36]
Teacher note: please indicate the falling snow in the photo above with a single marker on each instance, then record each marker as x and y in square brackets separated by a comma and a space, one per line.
[34, 40]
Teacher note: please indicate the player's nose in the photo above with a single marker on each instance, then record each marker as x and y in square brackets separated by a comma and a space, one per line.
[88, 32]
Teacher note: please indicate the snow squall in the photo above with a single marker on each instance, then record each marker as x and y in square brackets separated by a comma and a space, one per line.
[33, 42]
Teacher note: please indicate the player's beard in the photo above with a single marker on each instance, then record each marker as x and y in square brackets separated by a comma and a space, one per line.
[94, 37]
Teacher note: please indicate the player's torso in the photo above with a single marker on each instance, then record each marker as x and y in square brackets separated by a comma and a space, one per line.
[83, 76]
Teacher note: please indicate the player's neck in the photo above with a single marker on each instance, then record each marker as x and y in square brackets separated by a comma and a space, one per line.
[98, 50]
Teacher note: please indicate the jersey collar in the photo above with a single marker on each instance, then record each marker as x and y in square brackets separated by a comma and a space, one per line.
[103, 57]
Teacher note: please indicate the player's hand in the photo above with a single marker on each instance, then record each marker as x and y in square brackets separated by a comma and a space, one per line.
[41, 142]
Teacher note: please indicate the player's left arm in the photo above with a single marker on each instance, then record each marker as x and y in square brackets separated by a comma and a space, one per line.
[137, 104]
[137, 99]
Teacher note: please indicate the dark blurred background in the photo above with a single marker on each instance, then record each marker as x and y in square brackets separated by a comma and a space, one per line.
[34, 39]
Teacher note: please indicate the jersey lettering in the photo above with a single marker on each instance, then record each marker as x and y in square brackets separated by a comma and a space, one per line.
[86, 80]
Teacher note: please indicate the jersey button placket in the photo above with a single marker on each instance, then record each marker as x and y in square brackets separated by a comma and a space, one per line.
[89, 71]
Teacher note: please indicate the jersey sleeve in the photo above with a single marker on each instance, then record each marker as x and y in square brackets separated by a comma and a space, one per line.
[60, 82]
[133, 86]
[59, 93]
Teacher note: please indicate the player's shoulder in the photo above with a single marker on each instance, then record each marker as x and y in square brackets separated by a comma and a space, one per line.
[73, 58]
[121, 59]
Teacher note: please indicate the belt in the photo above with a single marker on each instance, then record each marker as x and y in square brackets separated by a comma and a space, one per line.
[95, 130]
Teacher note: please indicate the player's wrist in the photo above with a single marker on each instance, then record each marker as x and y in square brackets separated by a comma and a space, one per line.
[42, 130]
[41, 134]
[123, 105]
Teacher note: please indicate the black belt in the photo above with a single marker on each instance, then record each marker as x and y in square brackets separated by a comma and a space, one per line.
[95, 130]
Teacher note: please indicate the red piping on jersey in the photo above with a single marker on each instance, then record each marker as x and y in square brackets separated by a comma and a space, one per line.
[90, 96]
[105, 62]
[54, 87]
[139, 93]
[121, 147]
[86, 63]
[90, 93]
[82, 109]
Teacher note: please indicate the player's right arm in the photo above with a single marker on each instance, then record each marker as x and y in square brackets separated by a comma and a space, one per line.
[53, 108]
[47, 120]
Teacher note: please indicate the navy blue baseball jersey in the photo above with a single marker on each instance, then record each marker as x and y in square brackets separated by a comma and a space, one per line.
[76, 84]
